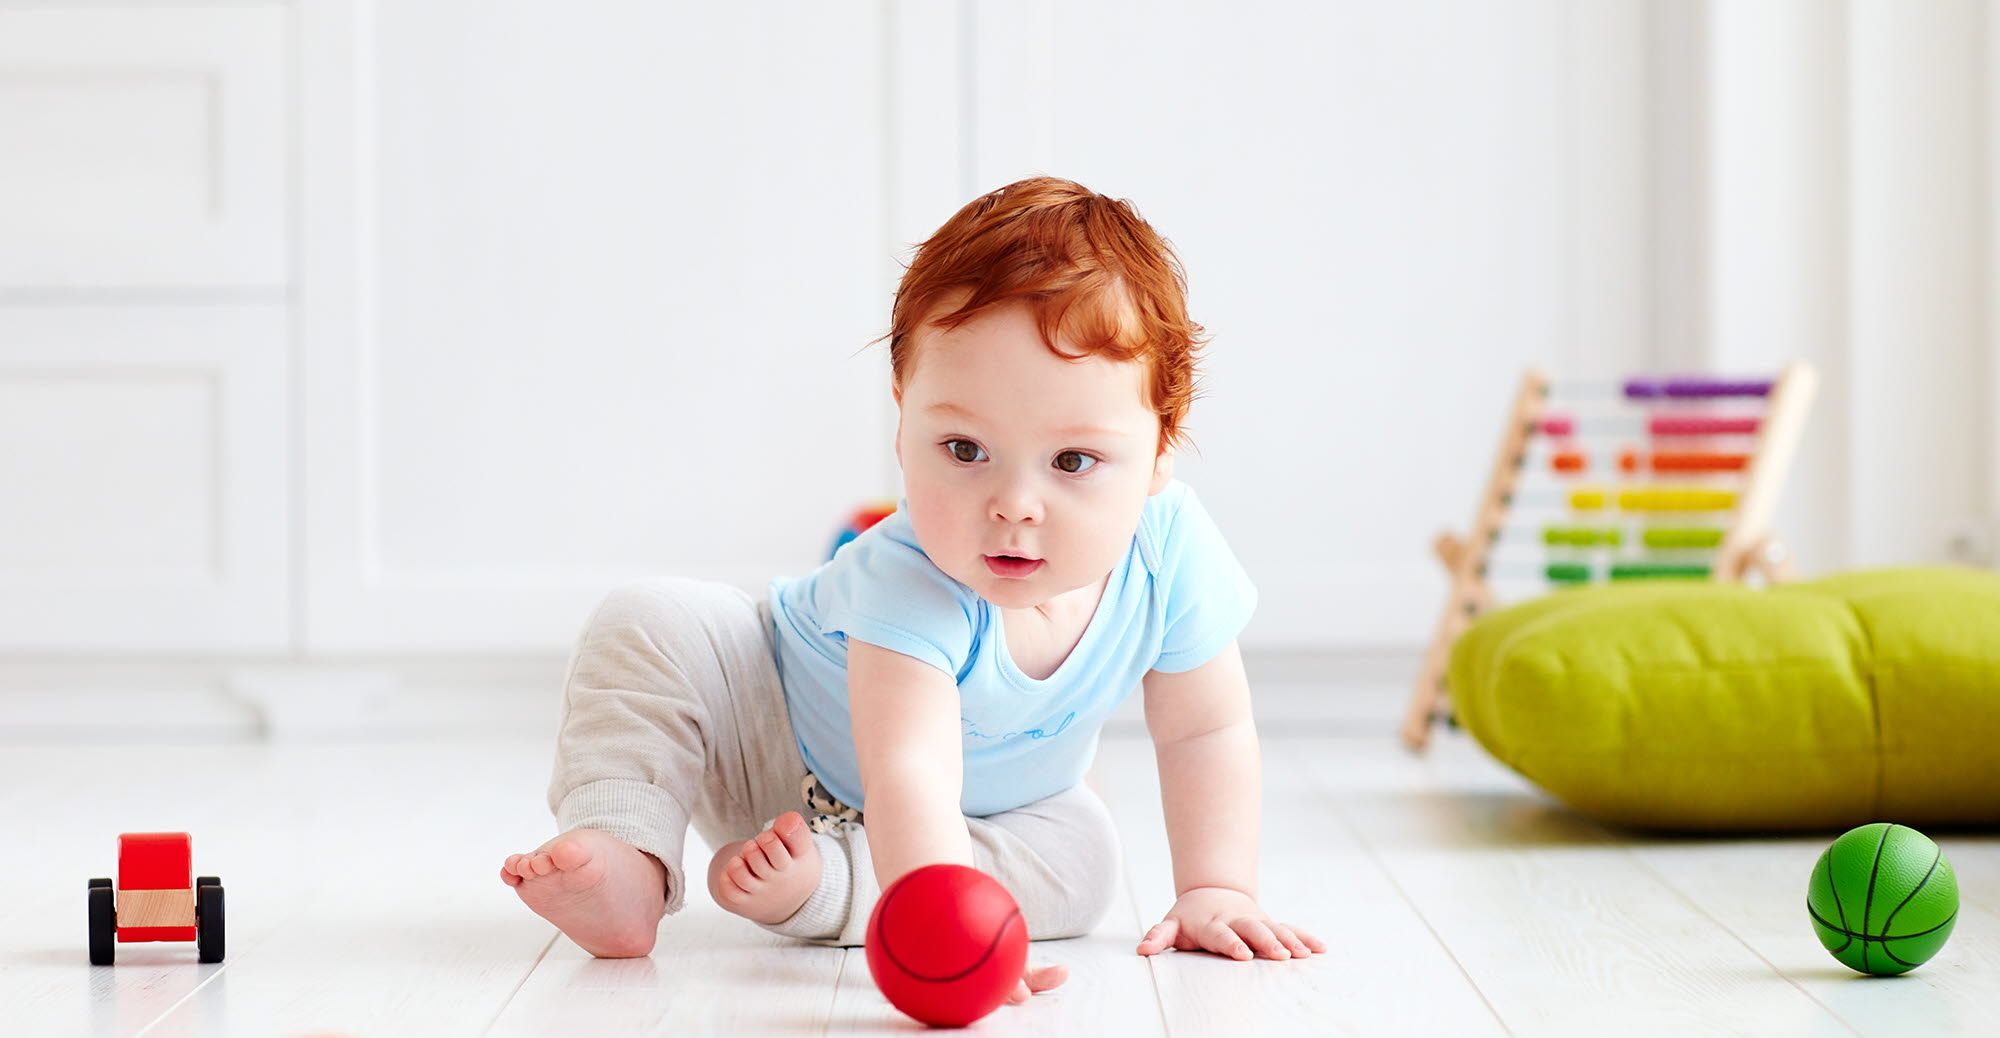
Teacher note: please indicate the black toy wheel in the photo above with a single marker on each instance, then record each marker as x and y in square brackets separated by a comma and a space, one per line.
[103, 923]
[206, 881]
[208, 920]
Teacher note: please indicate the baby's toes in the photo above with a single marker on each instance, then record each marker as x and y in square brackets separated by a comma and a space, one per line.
[569, 854]
[793, 833]
[740, 874]
[728, 891]
[774, 849]
[540, 865]
[753, 859]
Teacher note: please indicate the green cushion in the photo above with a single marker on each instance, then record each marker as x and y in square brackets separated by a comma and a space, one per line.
[1871, 696]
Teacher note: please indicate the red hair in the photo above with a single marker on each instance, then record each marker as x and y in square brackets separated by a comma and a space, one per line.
[1093, 271]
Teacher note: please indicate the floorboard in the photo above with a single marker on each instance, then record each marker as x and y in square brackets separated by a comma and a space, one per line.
[1109, 990]
[1756, 890]
[1456, 899]
[1313, 875]
[1562, 931]
[711, 973]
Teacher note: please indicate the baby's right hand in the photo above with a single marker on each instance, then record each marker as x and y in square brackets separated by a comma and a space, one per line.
[1037, 979]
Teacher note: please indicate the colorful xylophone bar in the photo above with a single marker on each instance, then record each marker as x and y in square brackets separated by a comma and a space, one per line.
[1581, 572]
[1663, 537]
[1573, 462]
[1662, 426]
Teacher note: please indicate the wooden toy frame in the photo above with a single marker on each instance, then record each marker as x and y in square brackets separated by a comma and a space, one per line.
[1747, 545]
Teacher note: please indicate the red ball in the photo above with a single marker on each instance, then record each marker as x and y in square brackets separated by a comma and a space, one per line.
[946, 944]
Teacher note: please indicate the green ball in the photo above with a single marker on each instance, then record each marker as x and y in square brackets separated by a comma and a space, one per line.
[1883, 899]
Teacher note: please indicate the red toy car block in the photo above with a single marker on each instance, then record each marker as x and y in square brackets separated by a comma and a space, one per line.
[155, 861]
[155, 899]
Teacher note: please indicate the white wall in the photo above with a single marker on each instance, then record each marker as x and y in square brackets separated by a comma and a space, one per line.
[342, 331]
[1776, 266]
[1851, 185]
[582, 298]
[566, 300]
[1386, 212]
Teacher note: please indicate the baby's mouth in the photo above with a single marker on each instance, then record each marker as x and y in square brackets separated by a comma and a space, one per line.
[1012, 566]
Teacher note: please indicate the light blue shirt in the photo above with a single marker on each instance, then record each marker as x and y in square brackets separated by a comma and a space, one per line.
[1176, 599]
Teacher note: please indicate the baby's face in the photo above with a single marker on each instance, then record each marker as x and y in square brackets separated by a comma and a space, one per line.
[1008, 450]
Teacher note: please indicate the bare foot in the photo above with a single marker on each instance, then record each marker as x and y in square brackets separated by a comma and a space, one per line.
[767, 878]
[606, 894]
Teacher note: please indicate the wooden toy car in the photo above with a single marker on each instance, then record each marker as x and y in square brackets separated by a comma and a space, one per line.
[155, 900]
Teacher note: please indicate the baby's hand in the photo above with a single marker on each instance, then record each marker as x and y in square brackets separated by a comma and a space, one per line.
[1037, 979]
[1227, 922]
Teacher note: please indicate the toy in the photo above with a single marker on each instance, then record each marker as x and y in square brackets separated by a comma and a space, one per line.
[1712, 447]
[946, 944]
[155, 900]
[863, 518]
[1883, 899]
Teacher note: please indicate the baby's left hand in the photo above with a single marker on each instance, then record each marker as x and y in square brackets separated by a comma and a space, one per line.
[1227, 922]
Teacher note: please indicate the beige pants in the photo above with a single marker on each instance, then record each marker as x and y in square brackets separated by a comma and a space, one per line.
[673, 713]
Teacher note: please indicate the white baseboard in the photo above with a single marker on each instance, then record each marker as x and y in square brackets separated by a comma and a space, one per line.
[171, 700]
[279, 701]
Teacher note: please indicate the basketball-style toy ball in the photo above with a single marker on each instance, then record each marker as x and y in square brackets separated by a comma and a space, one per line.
[946, 944]
[1883, 898]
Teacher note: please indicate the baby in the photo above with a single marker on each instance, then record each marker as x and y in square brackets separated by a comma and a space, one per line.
[934, 693]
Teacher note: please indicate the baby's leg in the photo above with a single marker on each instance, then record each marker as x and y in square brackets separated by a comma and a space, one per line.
[652, 735]
[1058, 857]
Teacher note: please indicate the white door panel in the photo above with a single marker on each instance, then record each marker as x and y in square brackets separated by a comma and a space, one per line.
[143, 146]
[584, 301]
[144, 497]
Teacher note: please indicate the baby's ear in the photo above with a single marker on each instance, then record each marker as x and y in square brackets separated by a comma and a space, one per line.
[896, 440]
[1163, 470]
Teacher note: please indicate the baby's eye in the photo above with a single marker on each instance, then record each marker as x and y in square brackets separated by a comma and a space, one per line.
[964, 450]
[1074, 462]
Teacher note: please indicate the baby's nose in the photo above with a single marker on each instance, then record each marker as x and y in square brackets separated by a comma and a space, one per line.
[1016, 508]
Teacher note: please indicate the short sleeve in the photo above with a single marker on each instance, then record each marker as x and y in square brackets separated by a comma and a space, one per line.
[1208, 596]
[883, 589]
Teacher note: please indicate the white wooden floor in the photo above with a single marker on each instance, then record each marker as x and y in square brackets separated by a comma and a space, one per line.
[363, 900]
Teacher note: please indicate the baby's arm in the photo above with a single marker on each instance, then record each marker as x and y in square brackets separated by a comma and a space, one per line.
[1210, 777]
[1206, 746]
[906, 739]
